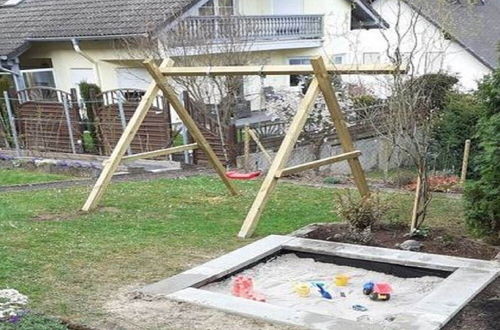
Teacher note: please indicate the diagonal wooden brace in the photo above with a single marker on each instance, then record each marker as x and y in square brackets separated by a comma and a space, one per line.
[186, 118]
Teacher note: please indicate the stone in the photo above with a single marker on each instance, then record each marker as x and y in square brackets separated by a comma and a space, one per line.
[411, 245]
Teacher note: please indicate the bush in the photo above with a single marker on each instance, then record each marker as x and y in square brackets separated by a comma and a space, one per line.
[482, 197]
[456, 123]
[434, 88]
[361, 214]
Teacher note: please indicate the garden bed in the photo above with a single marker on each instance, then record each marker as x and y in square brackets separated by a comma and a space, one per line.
[437, 240]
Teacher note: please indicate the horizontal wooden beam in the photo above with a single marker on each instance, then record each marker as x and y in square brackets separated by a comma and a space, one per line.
[161, 152]
[278, 70]
[317, 163]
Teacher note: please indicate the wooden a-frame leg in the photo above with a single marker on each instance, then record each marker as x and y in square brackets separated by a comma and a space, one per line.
[186, 118]
[128, 135]
[280, 160]
[338, 119]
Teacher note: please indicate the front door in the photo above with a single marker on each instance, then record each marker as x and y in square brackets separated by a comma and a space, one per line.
[288, 7]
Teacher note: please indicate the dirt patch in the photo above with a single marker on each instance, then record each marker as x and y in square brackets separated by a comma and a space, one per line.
[56, 217]
[483, 312]
[389, 236]
[130, 310]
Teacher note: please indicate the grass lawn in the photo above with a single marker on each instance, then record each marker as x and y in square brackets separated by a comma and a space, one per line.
[68, 263]
[20, 176]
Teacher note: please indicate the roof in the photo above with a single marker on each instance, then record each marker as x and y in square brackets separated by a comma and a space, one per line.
[476, 27]
[38, 20]
[58, 19]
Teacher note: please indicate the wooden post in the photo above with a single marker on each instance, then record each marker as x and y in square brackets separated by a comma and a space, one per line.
[338, 119]
[416, 206]
[169, 93]
[261, 147]
[246, 141]
[465, 162]
[280, 160]
[124, 142]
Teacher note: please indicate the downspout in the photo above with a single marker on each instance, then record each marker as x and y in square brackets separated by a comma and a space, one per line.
[7, 70]
[76, 47]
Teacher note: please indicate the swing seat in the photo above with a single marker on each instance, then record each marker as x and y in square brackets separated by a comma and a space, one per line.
[234, 175]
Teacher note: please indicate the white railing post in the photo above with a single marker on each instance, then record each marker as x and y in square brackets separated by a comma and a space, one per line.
[12, 123]
[68, 123]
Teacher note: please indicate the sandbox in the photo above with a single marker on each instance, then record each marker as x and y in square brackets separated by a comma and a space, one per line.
[428, 289]
[276, 277]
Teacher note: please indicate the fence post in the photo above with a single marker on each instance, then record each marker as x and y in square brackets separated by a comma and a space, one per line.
[69, 123]
[465, 162]
[123, 119]
[186, 138]
[12, 123]
[246, 141]
[232, 145]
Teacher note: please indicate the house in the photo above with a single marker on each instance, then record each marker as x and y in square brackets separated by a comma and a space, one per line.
[459, 37]
[59, 43]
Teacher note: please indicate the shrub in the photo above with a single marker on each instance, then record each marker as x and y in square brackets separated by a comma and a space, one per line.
[360, 213]
[456, 123]
[482, 197]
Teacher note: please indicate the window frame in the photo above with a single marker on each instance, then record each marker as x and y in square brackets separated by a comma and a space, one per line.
[28, 71]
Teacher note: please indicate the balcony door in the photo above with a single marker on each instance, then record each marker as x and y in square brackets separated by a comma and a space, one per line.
[288, 7]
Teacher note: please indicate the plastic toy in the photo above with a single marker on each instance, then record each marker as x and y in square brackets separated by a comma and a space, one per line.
[341, 280]
[368, 288]
[321, 288]
[302, 289]
[381, 292]
[243, 287]
[359, 308]
[242, 176]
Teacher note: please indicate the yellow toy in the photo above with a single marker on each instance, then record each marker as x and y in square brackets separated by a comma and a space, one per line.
[302, 289]
[341, 280]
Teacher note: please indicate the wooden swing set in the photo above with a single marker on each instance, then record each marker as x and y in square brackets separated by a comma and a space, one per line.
[321, 82]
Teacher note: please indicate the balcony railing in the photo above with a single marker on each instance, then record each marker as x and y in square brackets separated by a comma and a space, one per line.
[247, 28]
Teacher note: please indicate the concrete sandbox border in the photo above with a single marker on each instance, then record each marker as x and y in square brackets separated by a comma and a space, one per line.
[468, 278]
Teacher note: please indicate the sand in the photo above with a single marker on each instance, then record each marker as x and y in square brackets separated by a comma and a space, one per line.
[275, 280]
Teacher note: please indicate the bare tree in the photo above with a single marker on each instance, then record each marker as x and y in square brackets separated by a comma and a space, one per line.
[206, 41]
[406, 121]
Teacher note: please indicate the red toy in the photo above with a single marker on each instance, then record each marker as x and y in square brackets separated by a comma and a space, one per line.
[243, 287]
[243, 176]
[381, 292]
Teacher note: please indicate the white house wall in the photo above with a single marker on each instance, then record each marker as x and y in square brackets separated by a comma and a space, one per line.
[429, 39]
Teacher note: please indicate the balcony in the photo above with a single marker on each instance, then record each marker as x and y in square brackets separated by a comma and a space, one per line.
[213, 30]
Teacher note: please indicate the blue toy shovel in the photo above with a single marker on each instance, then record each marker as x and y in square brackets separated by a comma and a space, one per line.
[325, 294]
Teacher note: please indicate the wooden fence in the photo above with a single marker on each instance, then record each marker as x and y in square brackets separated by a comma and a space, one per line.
[48, 120]
[113, 110]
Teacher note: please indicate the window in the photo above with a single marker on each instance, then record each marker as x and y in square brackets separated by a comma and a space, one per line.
[339, 58]
[39, 78]
[226, 7]
[371, 58]
[208, 9]
[434, 61]
[296, 79]
[9, 3]
[217, 7]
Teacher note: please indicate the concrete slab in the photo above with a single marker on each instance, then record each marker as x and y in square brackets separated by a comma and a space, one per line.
[468, 277]
[220, 267]
[263, 311]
